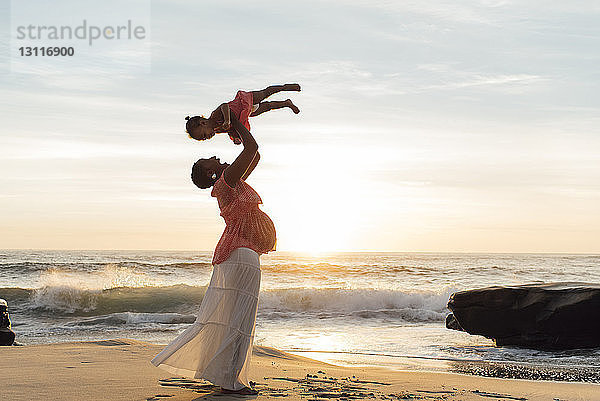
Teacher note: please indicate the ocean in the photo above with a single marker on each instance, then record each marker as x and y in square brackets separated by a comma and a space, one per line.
[384, 309]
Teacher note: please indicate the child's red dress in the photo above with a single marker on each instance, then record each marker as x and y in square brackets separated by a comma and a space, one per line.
[241, 107]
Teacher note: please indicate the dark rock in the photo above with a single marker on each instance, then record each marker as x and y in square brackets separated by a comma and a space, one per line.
[539, 316]
[7, 337]
[452, 323]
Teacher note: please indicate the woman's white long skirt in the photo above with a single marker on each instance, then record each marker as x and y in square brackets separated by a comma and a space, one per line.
[218, 346]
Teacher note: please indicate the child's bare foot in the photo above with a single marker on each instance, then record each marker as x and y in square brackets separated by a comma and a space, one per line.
[288, 103]
[292, 87]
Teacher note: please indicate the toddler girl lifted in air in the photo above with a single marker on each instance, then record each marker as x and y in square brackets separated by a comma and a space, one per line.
[245, 104]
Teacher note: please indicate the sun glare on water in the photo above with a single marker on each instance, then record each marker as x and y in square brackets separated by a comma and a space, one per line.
[323, 342]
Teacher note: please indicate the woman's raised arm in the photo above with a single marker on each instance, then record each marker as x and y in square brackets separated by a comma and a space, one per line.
[252, 166]
[242, 163]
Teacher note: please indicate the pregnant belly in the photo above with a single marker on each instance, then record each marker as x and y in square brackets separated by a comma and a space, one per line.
[259, 230]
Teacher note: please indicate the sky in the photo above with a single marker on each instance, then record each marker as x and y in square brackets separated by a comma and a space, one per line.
[428, 126]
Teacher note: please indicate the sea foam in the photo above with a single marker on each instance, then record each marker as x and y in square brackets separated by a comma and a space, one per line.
[72, 300]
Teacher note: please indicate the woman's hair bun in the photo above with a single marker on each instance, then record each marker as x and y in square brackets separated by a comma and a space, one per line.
[187, 118]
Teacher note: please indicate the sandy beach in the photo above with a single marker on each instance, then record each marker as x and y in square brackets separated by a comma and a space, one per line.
[119, 369]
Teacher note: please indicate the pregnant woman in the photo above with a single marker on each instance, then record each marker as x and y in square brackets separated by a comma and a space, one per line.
[218, 346]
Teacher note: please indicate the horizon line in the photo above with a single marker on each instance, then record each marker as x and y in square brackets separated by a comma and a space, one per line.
[309, 252]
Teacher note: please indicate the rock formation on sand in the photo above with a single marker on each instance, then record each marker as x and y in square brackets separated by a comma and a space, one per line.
[539, 316]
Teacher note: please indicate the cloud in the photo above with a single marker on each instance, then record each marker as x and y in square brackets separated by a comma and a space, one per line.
[497, 80]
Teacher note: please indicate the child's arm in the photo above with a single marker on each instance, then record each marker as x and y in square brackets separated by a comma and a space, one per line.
[224, 112]
[226, 117]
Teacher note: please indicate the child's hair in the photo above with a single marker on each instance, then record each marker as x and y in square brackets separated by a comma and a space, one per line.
[3, 305]
[199, 176]
[193, 122]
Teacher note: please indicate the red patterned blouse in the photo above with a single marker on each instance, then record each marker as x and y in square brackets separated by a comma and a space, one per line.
[245, 224]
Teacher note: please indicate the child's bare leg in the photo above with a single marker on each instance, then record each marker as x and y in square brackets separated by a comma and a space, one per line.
[267, 106]
[259, 96]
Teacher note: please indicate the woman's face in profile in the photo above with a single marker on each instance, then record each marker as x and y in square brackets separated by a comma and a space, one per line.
[211, 166]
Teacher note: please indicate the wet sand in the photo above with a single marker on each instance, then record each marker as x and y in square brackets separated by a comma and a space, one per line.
[120, 369]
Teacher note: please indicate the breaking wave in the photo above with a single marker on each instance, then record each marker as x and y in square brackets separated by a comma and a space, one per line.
[71, 300]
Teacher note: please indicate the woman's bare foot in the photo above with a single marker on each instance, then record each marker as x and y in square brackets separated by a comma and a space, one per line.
[242, 391]
[292, 87]
[288, 103]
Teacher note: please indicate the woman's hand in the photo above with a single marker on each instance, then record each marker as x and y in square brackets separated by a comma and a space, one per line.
[226, 125]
